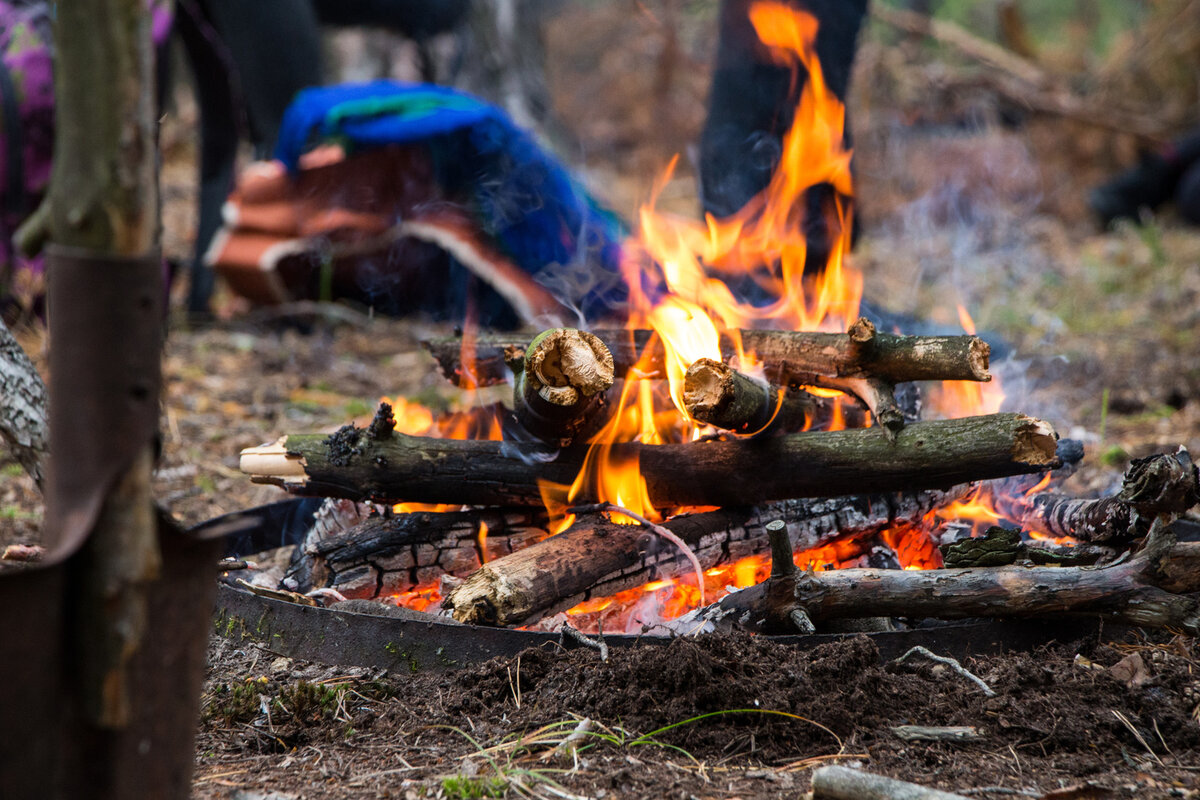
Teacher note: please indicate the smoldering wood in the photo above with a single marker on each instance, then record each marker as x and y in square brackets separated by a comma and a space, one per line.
[561, 391]
[596, 558]
[717, 394]
[386, 466]
[843, 783]
[799, 357]
[387, 555]
[1166, 483]
[1150, 590]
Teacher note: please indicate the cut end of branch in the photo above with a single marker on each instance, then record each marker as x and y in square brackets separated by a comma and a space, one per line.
[707, 385]
[862, 331]
[1035, 442]
[564, 364]
[979, 354]
[273, 463]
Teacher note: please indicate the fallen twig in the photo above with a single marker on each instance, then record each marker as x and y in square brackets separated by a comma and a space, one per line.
[952, 664]
[577, 636]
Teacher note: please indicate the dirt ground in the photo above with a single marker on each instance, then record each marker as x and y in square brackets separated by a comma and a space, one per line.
[1102, 329]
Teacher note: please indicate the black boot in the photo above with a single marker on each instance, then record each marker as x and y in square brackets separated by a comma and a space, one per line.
[1146, 186]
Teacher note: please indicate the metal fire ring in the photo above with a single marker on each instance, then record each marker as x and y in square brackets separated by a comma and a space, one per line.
[366, 640]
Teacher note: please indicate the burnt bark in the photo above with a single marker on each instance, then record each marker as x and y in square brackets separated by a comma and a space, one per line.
[387, 555]
[716, 394]
[1166, 483]
[561, 391]
[926, 455]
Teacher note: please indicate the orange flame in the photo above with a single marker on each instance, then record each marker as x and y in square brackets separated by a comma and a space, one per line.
[678, 274]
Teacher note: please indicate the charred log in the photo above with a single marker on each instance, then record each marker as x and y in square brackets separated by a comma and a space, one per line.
[392, 467]
[1166, 483]
[387, 555]
[597, 558]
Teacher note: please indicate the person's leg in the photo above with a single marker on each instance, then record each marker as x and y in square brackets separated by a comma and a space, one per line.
[416, 19]
[1187, 194]
[751, 105]
[1148, 185]
[218, 142]
[275, 48]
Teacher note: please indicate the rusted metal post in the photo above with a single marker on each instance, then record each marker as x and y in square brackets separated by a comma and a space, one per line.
[101, 665]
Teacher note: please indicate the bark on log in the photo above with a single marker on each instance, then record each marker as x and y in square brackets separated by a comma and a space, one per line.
[360, 464]
[716, 394]
[23, 424]
[596, 558]
[1149, 590]
[843, 783]
[788, 356]
[388, 555]
[1166, 483]
[561, 391]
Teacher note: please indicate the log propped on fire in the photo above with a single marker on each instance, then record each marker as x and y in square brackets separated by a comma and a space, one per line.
[378, 464]
[1155, 589]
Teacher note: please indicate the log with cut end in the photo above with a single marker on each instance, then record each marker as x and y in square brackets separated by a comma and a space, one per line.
[597, 558]
[560, 392]
[716, 394]
[385, 466]
[1166, 483]
[1151, 590]
[800, 357]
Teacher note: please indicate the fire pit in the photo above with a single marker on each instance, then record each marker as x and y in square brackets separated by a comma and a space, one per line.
[744, 408]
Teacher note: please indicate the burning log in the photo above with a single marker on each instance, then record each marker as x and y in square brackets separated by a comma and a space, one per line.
[378, 464]
[1167, 483]
[597, 558]
[561, 389]
[1149, 590]
[716, 394]
[388, 555]
[799, 357]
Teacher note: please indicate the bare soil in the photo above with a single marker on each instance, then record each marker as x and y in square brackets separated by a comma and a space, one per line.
[1053, 723]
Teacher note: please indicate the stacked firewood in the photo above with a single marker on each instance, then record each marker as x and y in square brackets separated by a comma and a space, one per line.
[773, 472]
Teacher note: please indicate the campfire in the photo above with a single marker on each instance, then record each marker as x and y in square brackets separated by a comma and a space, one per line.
[745, 428]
